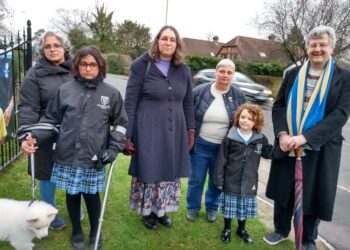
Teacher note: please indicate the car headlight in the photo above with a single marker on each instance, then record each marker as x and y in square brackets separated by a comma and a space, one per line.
[267, 91]
[251, 91]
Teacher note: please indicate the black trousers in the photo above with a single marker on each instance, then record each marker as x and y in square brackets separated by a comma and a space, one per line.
[282, 218]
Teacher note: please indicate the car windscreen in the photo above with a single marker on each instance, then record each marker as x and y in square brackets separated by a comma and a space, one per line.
[238, 77]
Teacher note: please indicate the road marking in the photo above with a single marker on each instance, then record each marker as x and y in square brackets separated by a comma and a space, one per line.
[324, 241]
[343, 188]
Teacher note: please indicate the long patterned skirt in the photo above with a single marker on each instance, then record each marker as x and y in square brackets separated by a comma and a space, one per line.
[159, 198]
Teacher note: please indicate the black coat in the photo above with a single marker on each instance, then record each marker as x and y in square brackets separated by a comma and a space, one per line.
[237, 165]
[85, 111]
[320, 166]
[160, 111]
[38, 87]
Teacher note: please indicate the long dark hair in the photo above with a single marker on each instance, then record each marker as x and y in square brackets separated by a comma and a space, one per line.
[92, 51]
[178, 57]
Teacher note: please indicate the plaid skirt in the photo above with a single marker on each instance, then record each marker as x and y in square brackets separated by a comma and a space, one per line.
[159, 198]
[235, 207]
[77, 179]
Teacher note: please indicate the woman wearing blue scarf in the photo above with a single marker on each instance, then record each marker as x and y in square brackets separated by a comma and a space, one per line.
[310, 110]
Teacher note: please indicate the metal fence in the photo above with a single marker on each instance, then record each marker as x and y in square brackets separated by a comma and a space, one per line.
[15, 60]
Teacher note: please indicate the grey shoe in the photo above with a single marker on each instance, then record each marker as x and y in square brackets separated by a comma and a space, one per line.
[309, 246]
[211, 216]
[274, 238]
[191, 214]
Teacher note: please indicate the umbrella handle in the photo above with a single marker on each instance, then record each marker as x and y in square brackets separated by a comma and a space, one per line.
[299, 152]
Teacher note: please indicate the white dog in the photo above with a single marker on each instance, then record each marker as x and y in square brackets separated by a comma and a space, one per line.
[21, 222]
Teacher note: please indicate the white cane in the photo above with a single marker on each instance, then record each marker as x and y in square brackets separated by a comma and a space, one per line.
[100, 220]
[32, 170]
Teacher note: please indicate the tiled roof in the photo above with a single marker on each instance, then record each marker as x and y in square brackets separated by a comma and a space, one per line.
[258, 50]
[200, 47]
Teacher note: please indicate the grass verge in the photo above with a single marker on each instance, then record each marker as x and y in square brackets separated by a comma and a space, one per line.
[123, 229]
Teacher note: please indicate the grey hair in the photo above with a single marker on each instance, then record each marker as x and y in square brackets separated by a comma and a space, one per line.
[62, 38]
[318, 31]
[226, 62]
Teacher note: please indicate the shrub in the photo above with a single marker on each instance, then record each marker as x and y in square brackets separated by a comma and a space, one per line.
[118, 64]
[197, 63]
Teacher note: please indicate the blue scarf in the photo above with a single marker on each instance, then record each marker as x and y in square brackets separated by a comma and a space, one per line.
[300, 119]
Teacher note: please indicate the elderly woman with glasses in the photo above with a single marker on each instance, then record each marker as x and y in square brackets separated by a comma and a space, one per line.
[38, 87]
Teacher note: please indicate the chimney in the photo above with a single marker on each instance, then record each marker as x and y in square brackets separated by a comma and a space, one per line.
[216, 40]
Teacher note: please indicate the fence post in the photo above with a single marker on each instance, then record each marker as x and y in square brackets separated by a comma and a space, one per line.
[29, 46]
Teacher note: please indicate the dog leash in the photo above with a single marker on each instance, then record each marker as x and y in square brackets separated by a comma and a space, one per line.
[21, 134]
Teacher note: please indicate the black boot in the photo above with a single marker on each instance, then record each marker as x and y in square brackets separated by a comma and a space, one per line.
[150, 221]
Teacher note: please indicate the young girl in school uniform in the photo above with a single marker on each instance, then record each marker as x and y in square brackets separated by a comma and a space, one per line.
[236, 171]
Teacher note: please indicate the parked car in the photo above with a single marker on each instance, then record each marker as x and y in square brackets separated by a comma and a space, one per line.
[253, 91]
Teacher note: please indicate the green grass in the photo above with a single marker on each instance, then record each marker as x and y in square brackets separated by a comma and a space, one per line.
[123, 229]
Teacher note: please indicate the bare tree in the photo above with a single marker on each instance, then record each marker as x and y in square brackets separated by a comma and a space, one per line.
[71, 20]
[290, 21]
[4, 12]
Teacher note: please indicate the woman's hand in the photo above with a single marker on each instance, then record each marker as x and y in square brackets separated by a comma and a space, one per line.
[190, 138]
[27, 145]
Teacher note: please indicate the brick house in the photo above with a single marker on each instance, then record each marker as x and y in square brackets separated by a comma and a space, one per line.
[197, 47]
[248, 49]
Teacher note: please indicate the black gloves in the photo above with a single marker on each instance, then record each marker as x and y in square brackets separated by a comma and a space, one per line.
[108, 156]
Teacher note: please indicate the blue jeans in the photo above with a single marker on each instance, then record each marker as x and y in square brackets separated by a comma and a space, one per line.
[203, 161]
[48, 192]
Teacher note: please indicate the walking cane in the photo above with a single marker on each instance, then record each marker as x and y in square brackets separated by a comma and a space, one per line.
[100, 220]
[21, 134]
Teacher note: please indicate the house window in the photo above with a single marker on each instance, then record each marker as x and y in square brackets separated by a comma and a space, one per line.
[262, 54]
[223, 55]
[234, 56]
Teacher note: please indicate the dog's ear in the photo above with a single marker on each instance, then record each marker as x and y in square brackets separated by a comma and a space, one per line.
[52, 211]
[32, 220]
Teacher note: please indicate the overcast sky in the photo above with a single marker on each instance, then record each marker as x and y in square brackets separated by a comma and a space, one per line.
[193, 18]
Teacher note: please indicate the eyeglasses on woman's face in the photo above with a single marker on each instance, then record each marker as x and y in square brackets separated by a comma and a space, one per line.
[54, 46]
[85, 65]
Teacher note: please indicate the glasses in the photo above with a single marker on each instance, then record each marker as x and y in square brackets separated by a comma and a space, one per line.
[166, 39]
[92, 66]
[315, 45]
[52, 46]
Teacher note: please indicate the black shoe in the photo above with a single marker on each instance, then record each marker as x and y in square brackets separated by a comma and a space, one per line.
[226, 236]
[150, 221]
[78, 242]
[93, 240]
[165, 220]
[245, 236]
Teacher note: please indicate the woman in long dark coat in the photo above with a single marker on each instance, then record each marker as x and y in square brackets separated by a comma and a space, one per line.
[299, 103]
[160, 110]
[38, 87]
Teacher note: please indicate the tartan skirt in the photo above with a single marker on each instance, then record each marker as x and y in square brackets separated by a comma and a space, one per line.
[236, 207]
[78, 179]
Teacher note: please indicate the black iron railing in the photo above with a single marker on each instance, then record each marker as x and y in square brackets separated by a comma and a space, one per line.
[15, 60]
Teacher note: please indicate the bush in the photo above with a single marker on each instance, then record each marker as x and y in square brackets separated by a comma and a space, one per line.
[118, 64]
[266, 69]
[197, 63]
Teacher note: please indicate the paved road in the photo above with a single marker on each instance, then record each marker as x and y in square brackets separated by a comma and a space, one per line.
[337, 232]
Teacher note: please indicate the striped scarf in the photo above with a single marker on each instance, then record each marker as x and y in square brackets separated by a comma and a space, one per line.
[300, 119]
